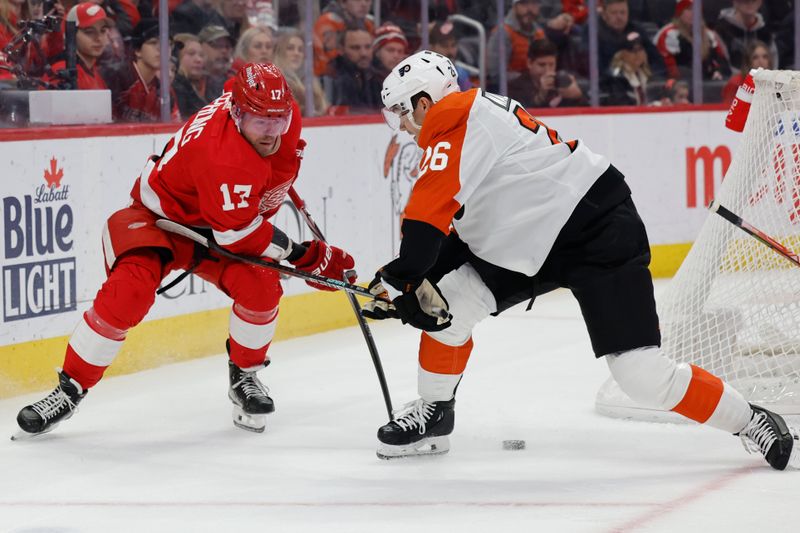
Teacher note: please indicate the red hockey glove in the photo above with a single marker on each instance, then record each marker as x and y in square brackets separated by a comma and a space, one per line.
[328, 261]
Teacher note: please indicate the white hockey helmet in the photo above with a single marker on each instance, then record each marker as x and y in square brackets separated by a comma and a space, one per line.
[424, 71]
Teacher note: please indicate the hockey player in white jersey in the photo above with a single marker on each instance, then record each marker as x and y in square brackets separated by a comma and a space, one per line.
[505, 210]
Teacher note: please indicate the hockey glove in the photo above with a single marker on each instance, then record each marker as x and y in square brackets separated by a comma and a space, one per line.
[325, 260]
[379, 309]
[419, 304]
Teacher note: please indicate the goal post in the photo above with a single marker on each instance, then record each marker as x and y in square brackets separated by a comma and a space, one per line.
[733, 308]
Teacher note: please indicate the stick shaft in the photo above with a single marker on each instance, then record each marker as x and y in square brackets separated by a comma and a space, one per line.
[174, 227]
[362, 323]
[751, 230]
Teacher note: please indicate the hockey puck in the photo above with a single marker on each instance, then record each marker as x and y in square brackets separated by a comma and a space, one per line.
[513, 444]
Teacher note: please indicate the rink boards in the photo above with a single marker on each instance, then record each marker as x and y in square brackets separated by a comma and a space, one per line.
[60, 185]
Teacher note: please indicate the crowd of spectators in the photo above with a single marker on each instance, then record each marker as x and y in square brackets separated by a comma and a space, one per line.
[645, 48]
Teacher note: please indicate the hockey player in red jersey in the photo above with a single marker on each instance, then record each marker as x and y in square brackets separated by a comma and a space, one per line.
[227, 170]
[505, 210]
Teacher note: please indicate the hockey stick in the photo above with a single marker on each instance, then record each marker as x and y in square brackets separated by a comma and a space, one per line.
[180, 229]
[762, 237]
[362, 323]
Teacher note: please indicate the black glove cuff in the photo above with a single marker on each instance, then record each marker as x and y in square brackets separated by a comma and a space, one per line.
[298, 250]
[402, 285]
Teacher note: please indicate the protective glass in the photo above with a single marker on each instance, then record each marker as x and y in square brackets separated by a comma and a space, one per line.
[393, 115]
[266, 126]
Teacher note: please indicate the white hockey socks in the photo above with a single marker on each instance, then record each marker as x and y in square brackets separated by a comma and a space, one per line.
[657, 381]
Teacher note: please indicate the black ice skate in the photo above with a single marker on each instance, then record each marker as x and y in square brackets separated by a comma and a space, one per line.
[44, 415]
[251, 401]
[421, 428]
[768, 434]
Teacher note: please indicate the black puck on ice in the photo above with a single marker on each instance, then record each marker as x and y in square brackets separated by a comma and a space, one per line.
[513, 444]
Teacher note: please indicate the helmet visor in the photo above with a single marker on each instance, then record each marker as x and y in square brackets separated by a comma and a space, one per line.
[267, 126]
[392, 116]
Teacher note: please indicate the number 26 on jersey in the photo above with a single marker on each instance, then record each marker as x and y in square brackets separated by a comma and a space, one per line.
[434, 158]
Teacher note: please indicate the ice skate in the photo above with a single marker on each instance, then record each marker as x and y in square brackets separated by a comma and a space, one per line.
[43, 416]
[251, 401]
[421, 428]
[768, 434]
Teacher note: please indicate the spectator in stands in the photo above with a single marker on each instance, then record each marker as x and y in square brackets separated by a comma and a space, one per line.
[542, 85]
[756, 55]
[290, 57]
[135, 88]
[355, 85]
[232, 15]
[52, 43]
[674, 42]
[626, 81]
[194, 15]
[613, 27]
[389, 47]
[577, 9]
[256, 45]
[123, 14]
[11, 12]
[742, 24]
[218, 51]
[442, 39]
[673, 92]
[330, 26]
[191, 86]
[521, 26]
[90, 40]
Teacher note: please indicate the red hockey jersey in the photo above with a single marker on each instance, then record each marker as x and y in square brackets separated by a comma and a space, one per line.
[210, 176]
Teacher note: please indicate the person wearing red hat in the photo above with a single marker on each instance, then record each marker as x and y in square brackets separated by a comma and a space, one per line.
[389, 47]
[674, 42]
[90, 40]
[227, 170]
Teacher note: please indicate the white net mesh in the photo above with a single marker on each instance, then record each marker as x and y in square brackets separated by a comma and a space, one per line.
[733, 308]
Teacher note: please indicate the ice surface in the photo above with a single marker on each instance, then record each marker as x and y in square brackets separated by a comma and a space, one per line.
[157, 451]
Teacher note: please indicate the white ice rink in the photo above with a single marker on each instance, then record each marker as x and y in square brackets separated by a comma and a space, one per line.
[157, 451]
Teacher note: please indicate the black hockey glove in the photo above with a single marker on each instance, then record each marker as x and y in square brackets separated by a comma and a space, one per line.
[419, 304]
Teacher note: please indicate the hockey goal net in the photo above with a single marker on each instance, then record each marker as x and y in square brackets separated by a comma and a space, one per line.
[733, 308]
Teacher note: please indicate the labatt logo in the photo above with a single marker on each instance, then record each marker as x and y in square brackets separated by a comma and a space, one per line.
[37, 278]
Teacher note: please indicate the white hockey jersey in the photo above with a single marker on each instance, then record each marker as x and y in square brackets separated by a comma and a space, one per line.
[514, 177]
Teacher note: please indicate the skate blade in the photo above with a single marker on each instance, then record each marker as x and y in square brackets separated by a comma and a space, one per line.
[21, 436]
[248, 422]
[430, 446]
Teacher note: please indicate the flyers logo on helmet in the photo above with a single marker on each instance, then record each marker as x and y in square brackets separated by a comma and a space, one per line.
[404, 69]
